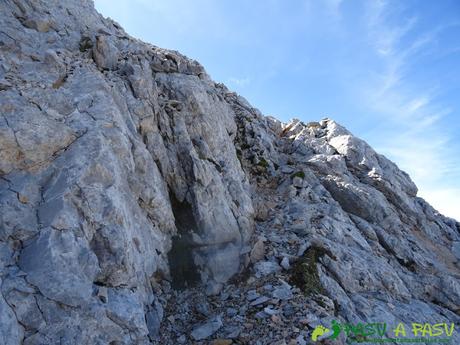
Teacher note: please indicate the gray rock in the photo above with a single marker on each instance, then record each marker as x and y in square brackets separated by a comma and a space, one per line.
[37, 23]
[232, 312]
[264, 268]
[258, 251]
[205, 330]
[288, 310]
[297, 182]
[252, 295]
[105, 54]
[282, 292]
[11, 333]
[456, 249]
[287, 169]
[285, 263]
[61, 265]
[102, 293]
[224, 296]
[268, 287]
[232, 332]
[261, 315]
[153, 323]
[125, 309]
[270, 311]
[203, 309]
[301, 340]
[260, 300]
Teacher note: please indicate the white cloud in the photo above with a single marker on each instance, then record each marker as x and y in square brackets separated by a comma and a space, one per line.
[414, 137]
[445, 200]
[239, 81]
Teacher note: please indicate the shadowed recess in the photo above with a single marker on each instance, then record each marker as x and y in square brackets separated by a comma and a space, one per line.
[184, 272]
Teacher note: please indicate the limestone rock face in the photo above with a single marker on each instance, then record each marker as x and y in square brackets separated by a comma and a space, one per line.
[125, 170]
[112, 152]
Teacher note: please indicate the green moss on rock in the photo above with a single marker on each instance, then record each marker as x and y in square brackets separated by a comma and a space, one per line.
[262, 162]
[300, 174]
[305, 273]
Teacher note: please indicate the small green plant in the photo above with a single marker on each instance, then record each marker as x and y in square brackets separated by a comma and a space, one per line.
[262, 162]
[304, 272]
[300, 174]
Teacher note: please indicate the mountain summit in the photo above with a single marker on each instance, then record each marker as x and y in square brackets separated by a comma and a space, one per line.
[141, 202]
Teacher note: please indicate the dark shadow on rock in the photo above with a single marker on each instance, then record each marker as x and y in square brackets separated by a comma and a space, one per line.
[184, 272]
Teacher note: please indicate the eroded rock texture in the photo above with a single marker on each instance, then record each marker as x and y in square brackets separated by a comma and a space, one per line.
[124, 169]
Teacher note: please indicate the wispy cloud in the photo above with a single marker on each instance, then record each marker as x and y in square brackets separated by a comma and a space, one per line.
[239, 81]
[416, 138]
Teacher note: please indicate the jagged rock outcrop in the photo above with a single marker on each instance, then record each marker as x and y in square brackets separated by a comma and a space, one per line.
[124, 170]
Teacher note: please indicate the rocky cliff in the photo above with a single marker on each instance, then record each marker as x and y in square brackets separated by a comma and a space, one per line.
[141, 202]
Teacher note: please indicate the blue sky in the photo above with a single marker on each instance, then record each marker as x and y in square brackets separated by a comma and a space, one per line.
[387, 70]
